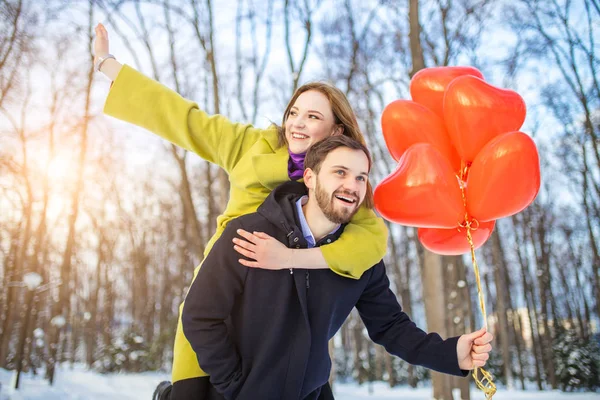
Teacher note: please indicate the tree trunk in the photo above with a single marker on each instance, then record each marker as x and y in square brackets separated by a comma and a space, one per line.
[513, 317]
[24, 335]
[402, 279]
[432, 273]
[592, 237]
[518, 335]
[207, 43]
[22, 240]
[585, 319]
[389, 368]
[431, 268]
[296, 70]
[528, 294]
[9, 303]
[193, 235]
[502, 306]
[458, 304]
[416, 51]
[108, 308]
[539, 239]
[92, 323]
[332, 373]
[359, 344]
[62, 307]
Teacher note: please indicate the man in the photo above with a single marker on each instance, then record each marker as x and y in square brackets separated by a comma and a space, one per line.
[263, 334]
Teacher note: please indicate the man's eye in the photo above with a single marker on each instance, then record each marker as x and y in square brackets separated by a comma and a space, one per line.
[361, 178]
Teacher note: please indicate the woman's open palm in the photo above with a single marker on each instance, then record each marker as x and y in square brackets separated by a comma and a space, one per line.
[101, 42]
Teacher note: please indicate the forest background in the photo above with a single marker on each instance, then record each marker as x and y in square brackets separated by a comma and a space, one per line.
[101, 223]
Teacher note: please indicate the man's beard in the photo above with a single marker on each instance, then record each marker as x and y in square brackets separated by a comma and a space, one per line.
[337, 215]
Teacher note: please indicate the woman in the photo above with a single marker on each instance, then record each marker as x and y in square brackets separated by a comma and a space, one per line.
[256, 160]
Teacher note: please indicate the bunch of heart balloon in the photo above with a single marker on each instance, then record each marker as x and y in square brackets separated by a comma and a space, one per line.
[462, 164]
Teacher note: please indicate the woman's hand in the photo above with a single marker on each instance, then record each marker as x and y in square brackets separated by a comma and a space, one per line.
[473, 349]
[268, 252]
[101, 42]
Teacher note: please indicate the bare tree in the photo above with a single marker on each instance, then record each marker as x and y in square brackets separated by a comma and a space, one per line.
[520, 223]
[17, 24]
[502, 309]
[563, 34]
[24, 238]
[63, 305]
[303, 12]
[206, 39]
[197, 240]
[255, 64]
[130, 244]
[459, 33]
[372, 55]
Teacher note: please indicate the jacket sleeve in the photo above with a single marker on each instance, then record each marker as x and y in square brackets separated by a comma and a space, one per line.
[139, 100]
[208, 304]
[392, 328]
[362, 245]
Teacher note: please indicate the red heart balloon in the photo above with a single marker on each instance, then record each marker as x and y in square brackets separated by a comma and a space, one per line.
[423, 191]
[428, 86]
[475, 112]
[405, 123]
[504, 177]
[454, 242]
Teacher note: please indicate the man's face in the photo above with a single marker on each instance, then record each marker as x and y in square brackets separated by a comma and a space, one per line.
[341, 184]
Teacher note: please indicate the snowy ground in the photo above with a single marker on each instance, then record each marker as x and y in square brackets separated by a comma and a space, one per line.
[79, 384]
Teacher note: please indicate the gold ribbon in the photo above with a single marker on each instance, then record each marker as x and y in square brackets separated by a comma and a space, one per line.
[486, 382]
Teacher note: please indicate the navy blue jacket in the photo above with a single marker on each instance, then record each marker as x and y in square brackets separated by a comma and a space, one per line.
[263, 334]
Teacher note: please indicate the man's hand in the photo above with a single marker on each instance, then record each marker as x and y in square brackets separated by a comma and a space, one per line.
[101, 42]
[473, 349]
[268, 252]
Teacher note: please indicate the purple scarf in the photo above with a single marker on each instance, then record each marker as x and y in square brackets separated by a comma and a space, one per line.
[296, 165]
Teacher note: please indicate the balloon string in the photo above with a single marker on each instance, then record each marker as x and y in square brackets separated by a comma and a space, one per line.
[477, 277]
[486, 382]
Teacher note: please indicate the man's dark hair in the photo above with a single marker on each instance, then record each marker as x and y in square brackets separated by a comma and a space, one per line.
[316, 155]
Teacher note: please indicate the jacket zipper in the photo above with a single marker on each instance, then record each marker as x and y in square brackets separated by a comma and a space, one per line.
[291, 232]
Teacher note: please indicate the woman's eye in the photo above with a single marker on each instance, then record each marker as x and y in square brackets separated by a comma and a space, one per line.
[293, 113]
[313, 116]
[340, 172]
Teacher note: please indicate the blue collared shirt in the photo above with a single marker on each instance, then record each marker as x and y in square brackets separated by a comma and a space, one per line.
[310, 239]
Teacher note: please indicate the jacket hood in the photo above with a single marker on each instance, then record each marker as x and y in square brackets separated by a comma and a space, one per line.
[279, 208]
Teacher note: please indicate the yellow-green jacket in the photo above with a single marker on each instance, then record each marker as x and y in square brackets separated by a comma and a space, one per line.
[249, 155]
[255, 165]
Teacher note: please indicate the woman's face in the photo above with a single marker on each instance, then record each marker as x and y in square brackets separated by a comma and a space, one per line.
[309, 121]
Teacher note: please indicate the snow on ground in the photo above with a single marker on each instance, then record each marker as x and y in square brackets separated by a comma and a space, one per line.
[81, 384]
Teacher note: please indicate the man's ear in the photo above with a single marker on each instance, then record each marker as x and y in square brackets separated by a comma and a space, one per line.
[309, 178]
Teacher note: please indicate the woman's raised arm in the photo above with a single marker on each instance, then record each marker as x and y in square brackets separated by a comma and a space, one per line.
[109, 67]
[139, 100]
